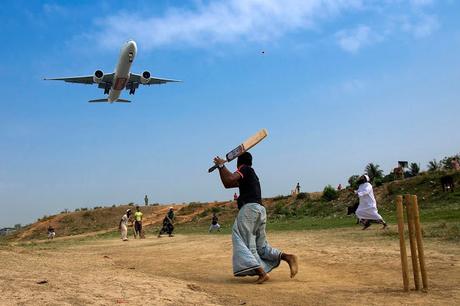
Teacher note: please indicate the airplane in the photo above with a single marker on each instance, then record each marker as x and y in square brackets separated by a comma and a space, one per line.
[122, 78]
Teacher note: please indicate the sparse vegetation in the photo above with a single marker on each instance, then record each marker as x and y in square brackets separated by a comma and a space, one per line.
[280, 197]
[302, 196]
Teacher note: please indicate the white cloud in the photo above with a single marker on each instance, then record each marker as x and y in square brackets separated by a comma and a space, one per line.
[419, 3]
[221, 22]
[420, 26]
[354, 39]
[235, 21]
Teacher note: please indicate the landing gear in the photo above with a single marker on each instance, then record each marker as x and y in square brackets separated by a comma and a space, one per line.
[132, 87]
[107, 88]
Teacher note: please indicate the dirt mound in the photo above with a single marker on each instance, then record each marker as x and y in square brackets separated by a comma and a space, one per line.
[100, 220]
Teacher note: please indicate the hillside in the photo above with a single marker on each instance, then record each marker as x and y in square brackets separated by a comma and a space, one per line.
[103, 220]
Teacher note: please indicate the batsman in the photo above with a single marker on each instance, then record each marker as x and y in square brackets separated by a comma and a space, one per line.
[252, 254]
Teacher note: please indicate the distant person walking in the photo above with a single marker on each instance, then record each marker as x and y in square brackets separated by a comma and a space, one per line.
[146, 200]
[168, 223]
[367, 212]
[252, 255]
[138, 223]
[51, 232]
[214, 223]
[123, 226]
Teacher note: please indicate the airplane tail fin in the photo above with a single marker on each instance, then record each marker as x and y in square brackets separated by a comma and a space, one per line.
[107, 100]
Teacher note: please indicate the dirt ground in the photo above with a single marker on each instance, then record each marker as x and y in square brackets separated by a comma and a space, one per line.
[337, 267]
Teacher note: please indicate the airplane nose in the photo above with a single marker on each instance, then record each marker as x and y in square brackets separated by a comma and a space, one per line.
[132, 45]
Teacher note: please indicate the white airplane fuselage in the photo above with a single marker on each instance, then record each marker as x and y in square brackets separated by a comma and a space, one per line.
[122, 71]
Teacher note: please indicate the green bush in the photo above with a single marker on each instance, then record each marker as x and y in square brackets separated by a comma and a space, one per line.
[216, 209]
[329, 193]
[280, 209]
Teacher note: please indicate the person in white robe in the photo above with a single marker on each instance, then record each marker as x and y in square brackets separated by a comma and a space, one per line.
[123, 226]
[367, 212]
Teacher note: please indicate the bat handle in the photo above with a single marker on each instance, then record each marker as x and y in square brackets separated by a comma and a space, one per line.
[213, 168]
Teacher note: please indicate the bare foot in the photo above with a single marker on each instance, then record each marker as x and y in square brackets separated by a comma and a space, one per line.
[262, 278]
[292, 262]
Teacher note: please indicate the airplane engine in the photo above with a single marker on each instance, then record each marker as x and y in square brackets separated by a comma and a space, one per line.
[145, 78]
[97, 77]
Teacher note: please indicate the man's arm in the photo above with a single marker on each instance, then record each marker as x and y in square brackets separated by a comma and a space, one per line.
[230, 180]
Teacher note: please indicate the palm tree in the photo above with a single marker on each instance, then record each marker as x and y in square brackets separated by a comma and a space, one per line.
[373, 171]
[352, 181]
[434, 165]
[414, 169]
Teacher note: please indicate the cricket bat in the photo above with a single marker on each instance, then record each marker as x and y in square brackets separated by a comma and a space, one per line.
[245, 146]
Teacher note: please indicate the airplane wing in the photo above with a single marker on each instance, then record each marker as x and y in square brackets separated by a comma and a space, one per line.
[136, 78]
[107, 78]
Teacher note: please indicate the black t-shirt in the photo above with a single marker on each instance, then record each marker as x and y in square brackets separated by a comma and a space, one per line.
[249, 186]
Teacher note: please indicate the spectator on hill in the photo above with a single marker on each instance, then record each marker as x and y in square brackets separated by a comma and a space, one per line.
[339, 187]
[235, 197]
[297, 188]
[138, 223]
[123, 226]
[367, 212]
[146, 200]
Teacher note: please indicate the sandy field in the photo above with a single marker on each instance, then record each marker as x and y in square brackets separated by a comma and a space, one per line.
[337, 267]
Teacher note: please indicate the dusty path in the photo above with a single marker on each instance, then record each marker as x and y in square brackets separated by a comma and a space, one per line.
[337, 267]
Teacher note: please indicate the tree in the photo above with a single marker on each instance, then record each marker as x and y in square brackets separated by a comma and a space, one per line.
[414, 169]
[373, 171]
[434, 165]
[446, 162]
[353, 181]
[329, 193]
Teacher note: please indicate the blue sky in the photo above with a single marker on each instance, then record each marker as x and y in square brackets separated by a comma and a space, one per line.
[340, 84]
